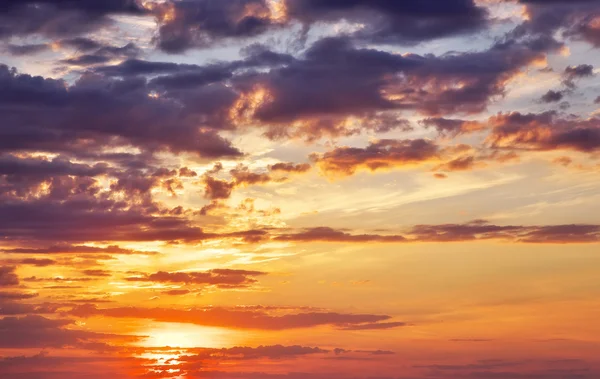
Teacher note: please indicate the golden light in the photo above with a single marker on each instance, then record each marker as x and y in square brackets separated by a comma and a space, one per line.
[254, 10]
[278, 10]
[247, 105]
[594, 23]
[165, 12]
[185, 336]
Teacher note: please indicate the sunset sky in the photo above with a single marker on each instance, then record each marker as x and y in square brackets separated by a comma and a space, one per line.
[300, 189]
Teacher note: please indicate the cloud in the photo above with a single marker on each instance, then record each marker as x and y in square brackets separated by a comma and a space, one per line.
[177, 292]
[452, 127]
[37, 262]
[331, 80]
[97, 273]
[73, 249]
[482, 230]
[544, 131]
[17, 295]
[290, 167]
[216, 189]
[44, 365]
[21, 50]
[471, 231]
[374, 326]
[552, 96]
[563, 234]
[224, 278]
[238, 319]
[8, 277]
[33, 331]
[326, 234]
[202, 23]
[574, 19]
[187, 173]
[573, 73]
[89, 221]
[395, 22]
[378, 155]
[19, 175]
[87, 116]
[241, 176]
[245, 353]
[51, 18]
[310, 97]
[104, 54]
[465, 163]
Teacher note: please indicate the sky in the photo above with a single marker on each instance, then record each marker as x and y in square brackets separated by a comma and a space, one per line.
[299, 189]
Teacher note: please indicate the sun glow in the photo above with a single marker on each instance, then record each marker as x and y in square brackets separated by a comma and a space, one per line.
[185, 336]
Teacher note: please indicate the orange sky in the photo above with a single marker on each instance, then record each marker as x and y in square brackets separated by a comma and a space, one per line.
[299, 189]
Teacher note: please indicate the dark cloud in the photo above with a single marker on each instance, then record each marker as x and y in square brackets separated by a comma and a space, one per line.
[327, 90]
[90, 6]
[580, 71]
[19, 168]
[574, 19]
[37, 262]
[378, 155]
[21, 50]
[97, 273]
[452, 127]
[49, 115]
[216, 189]
[17, 295]
[238, 319]
[544, 131]
[187, 173]
[8, 277]
[482, 230]
[290, 167]
[35, 331]
[326, 234]
[73, 249]
[81, 44]
[324, 92]
[102, 55]
[563, 234]
[136, 67]
[471, 231]
[196, 78]
[241, 176]
[214, 205]
[51, 18]
[330, 88]
[177, 292]
[395, 21]
[552, 96]
[573, 73]
[201, 23]
[476, 230]
[90, 220]
[245, 353]
[218, 277]
[375, 326]
[465, 163]
[48, 366]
